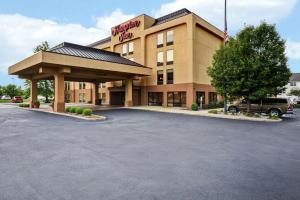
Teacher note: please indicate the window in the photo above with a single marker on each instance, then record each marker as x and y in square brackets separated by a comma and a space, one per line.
[130, 48]
[177, 99]
[200, 98]
[212, 98]
[160, 58]
[293, 83]
[170, 76]
[155, 98]
[160, 77]
[160, 40]
[170, 38]
[81, 85]
[81, 97]
[124, 49]
[170, 57]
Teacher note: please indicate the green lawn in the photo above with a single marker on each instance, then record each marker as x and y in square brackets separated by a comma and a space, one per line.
[4, 101]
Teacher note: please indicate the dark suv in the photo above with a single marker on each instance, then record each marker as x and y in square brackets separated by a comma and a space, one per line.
[271, 106]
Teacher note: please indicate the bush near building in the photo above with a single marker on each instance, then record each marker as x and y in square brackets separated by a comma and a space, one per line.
[79, 110]
[87, 112]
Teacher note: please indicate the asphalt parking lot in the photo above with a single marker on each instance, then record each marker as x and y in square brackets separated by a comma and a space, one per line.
[147, 155]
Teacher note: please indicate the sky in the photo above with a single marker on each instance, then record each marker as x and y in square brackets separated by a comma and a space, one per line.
[25, 24]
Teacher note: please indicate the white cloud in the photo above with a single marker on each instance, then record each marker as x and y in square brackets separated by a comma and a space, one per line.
[239, 11]
[20, 34]
[293, 49]
[113, 19]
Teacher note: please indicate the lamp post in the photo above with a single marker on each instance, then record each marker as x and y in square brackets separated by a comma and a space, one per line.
[225, 42]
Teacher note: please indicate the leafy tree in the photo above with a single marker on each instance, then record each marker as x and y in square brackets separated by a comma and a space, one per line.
[45, 87]
[252, 65]
[295, 92]
[1, 91]
[12, 90]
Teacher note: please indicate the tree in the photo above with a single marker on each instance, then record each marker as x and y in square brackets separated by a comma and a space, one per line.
[295, 92]
[12, 90]
[252, 65]
[1, 91]
[45, 87]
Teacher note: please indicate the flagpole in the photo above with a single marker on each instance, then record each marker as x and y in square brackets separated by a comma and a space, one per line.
[225, 41]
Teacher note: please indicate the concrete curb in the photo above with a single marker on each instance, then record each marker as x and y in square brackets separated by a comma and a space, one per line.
[201, 113]
[88, 118]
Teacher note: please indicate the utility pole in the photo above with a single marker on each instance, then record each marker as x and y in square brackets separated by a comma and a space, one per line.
[225, 42]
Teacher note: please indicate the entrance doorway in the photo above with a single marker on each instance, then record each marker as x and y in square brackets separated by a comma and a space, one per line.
[117, 98]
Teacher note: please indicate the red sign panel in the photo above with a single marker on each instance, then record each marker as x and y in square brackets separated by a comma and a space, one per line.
[122, 29]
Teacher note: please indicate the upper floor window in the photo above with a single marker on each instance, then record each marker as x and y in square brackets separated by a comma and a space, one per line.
[160, 58]
[293, 83]
[81, 85]
[130, 48]
[124, 49]
[160, 40]
[170, 76]
[170, 57]
[170, 37]
[160, 77]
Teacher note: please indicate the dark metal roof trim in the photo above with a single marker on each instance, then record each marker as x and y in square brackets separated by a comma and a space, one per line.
[91, 53]
[171, 16]
[103, 41]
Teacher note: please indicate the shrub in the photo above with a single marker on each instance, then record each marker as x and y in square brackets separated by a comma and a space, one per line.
[213, 111]
[68, 109]
[257, 115]
[273, 117]
[37, 103]
[195, 107]
[296, 106]
[248, 114]
[79, 110]
[73, 109]
[24, 105]
[87, 112]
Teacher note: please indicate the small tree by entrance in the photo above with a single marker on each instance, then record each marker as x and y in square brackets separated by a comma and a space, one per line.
[45, 87]
[252, 65]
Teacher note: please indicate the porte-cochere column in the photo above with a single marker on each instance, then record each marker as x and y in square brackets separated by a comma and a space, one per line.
[33, 92]
[59, 93]
[128, 93]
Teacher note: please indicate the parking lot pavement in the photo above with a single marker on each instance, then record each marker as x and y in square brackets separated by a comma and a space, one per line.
[147, 155]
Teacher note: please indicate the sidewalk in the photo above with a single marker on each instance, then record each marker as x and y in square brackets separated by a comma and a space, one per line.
[201, 113]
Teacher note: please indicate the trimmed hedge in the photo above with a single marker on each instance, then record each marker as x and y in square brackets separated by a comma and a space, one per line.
[213, 111]
[68, 109]
[73, 110]
[87, 112]
[24, 105]
[195, 107]
[79, 110]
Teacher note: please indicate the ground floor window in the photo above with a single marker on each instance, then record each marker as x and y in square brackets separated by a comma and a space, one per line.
[200, 95]
[81, 98]
[177, 99]
[213, 98]
[155, 98]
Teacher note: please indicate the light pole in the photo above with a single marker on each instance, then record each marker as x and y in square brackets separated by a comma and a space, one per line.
[225, 42]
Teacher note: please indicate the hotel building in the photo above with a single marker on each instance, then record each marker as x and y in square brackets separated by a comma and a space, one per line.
[178, 47]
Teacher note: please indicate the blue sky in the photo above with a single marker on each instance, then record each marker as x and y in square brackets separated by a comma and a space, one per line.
[24, 24]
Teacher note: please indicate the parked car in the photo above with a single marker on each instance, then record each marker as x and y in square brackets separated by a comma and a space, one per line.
[5, 97]
[271, 106]
[17, 99]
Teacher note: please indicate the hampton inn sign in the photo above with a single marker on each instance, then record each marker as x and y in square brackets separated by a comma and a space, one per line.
[123, 30]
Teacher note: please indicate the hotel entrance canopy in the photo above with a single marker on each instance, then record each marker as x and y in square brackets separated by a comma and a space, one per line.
[72, 62]
[78, 63]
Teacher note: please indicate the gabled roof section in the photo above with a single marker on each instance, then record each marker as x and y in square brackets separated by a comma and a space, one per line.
[295, 77]
[103, 41]
[91, 53]
[171, 16]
